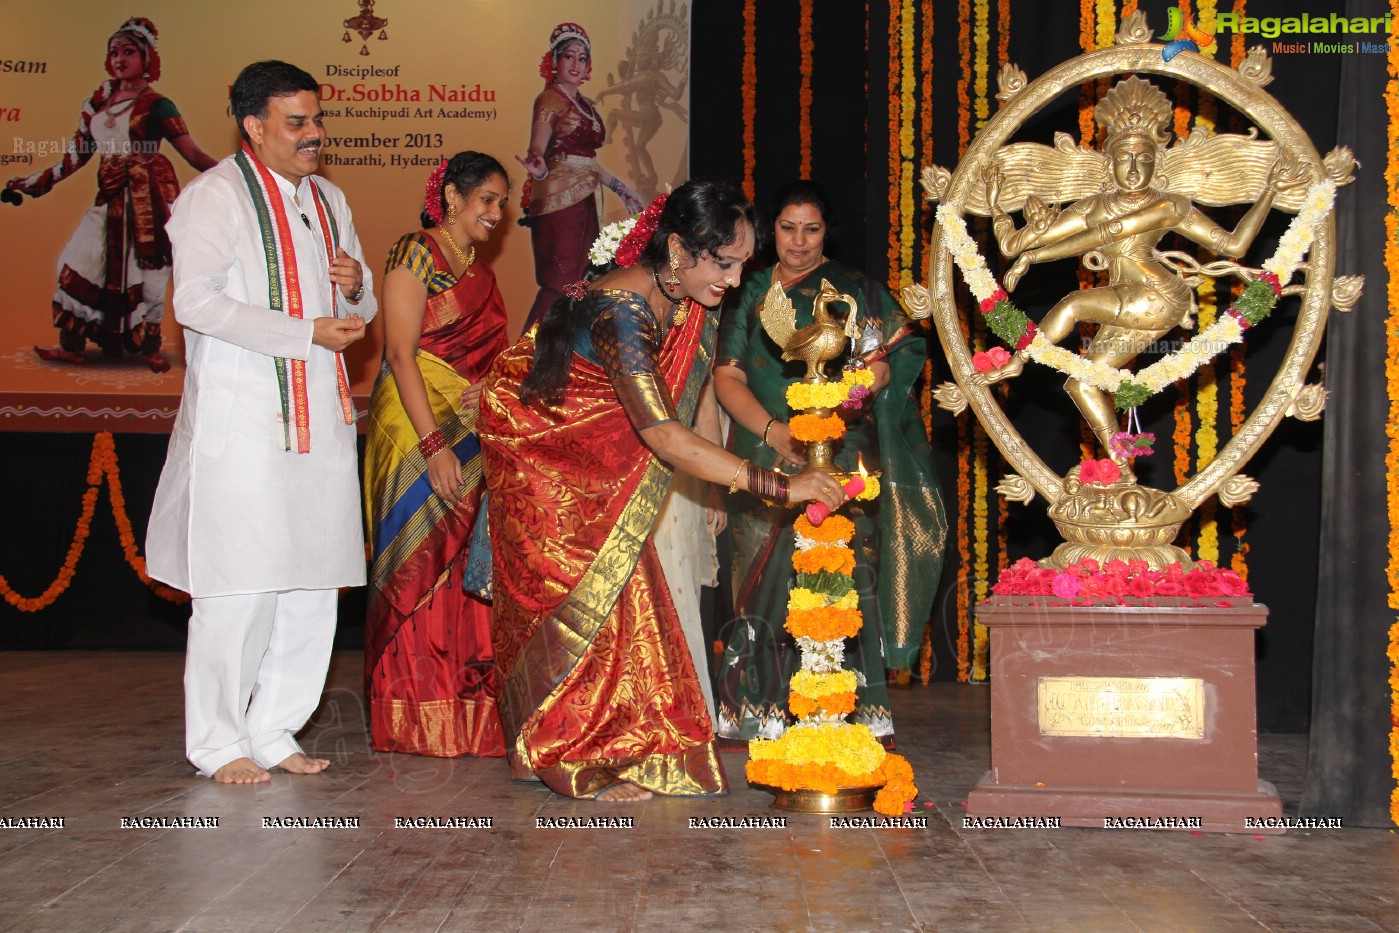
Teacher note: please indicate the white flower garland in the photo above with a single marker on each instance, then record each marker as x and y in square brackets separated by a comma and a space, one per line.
[1196, 352]
[604, 248]
[822, 657]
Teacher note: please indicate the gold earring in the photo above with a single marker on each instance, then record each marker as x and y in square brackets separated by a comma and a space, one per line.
[451, 213]
[672, 280]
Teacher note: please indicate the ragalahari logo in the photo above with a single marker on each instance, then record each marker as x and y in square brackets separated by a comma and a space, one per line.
[1181, 34]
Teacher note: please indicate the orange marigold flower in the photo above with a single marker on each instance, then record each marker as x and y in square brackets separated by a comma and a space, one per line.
[824, 624]
[834, 528]
[896, 767]
[892, 799]
[827, 558]
[834, 704]
[815, 428]
[826, 779]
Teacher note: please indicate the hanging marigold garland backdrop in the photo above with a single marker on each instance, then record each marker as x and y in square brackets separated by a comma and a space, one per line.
[1391, 369]
[102, 467]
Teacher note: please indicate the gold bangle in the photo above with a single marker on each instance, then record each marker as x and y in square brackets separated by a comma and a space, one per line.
[733, 483]
[766, 428]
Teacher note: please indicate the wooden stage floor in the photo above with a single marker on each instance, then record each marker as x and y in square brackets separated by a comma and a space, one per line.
[94, 739]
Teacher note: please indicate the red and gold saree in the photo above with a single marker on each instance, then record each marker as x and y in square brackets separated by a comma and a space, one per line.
[597, 685]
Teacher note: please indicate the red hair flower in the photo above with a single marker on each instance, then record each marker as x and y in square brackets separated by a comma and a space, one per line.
[634, 243]
[432, 192]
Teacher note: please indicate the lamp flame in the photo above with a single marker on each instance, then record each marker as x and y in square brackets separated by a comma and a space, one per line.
[860, 460]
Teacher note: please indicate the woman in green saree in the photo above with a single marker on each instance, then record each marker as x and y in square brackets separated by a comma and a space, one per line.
[899, 541]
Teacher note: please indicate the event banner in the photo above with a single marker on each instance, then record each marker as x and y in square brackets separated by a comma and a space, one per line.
[86, 167]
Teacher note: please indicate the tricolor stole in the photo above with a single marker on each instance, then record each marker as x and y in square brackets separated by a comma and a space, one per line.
[284, 292]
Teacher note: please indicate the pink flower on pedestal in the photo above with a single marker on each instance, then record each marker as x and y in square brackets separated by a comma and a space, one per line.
[1231, 584]
[1140, 585]
[1201, 584]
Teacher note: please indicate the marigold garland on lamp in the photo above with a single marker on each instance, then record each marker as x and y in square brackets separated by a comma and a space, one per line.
[823, 763]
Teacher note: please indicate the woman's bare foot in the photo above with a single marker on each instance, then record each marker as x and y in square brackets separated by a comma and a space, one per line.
[299, 763]
[60, 355]
[519, 771]
[624, 792]
[241, 771]
[157, 362]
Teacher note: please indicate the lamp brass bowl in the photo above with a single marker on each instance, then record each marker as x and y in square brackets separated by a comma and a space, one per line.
[844, 478]
[844, 800]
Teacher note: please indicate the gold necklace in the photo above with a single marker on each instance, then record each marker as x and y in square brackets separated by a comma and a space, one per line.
[466, 259]
[112, 113]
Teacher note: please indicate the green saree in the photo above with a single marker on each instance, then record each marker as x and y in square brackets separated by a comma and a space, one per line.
[899, 537]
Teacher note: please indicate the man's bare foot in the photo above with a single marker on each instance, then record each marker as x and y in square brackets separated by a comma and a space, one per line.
[241, 771]
[157, 362]
[299, 763]
[624, 792]
[59, 355]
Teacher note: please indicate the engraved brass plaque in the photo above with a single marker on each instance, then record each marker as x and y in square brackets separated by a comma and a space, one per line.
[1123, 707]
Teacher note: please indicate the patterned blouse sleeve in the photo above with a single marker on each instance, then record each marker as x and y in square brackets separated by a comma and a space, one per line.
[411, 252]
[628, 348]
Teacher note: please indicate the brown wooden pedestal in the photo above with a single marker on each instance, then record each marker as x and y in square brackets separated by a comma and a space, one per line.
[1125, 717]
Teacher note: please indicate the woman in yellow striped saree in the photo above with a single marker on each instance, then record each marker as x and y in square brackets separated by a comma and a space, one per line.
[428, 663]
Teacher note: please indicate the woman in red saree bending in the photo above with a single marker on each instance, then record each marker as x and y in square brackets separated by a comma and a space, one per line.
[428, 669]
[581, 424]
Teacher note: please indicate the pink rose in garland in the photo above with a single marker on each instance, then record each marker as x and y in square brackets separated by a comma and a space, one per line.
[858, 394]
[990, 360]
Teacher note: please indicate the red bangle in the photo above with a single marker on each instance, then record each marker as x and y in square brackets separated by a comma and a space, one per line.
[768, 485]
[432, 445]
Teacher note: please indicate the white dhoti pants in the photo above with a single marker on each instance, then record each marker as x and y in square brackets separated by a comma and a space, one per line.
[254, 670]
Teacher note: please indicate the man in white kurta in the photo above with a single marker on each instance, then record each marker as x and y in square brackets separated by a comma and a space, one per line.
[260, 535]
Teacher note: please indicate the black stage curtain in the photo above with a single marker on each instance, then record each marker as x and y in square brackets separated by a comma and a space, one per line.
[1348, 766]
[853, 52]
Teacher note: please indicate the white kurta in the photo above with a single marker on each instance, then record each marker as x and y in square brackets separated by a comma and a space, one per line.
[235, 511]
